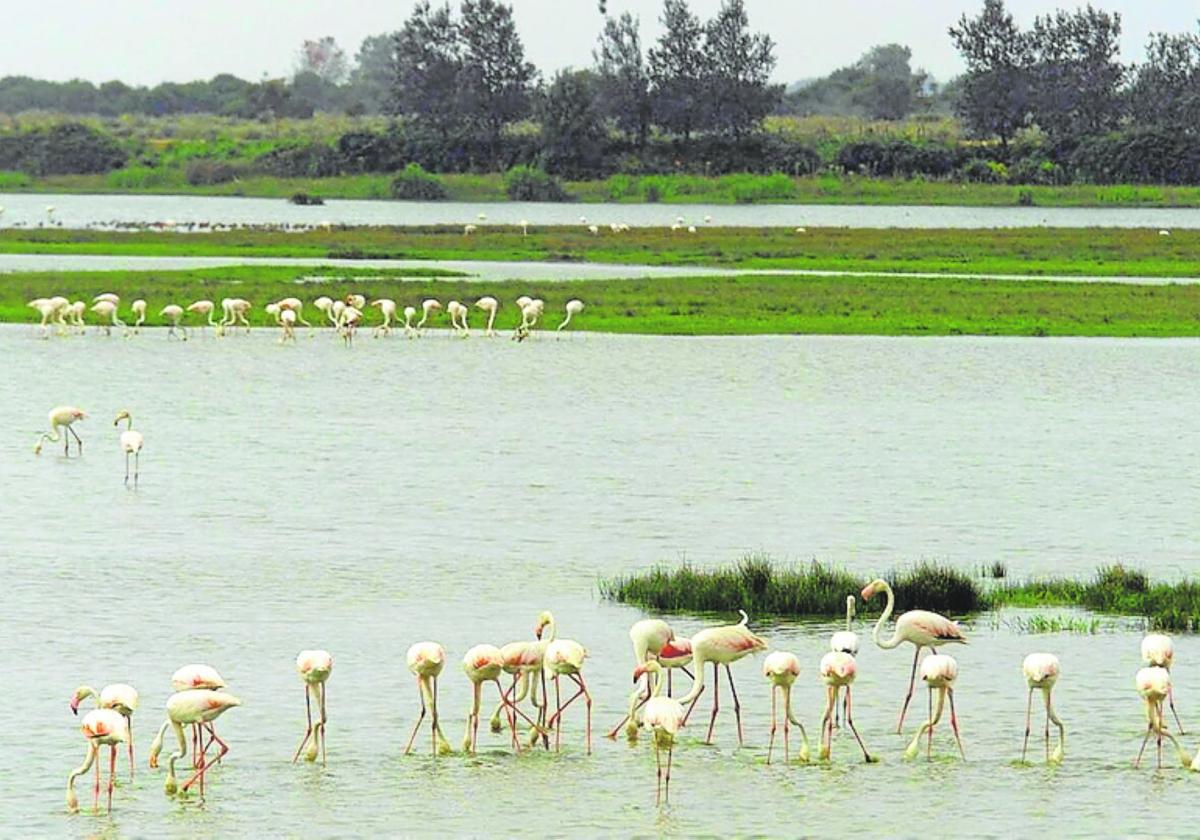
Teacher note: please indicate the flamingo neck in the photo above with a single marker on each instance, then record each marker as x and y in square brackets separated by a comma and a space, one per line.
[698, 684]
[887, 613]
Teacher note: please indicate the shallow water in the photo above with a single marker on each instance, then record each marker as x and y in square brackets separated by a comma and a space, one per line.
[29, 209]
[364, 499]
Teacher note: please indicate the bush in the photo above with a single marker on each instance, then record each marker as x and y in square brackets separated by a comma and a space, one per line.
[138, 177]
[979, 171]
[10, 180]
[528, 183]
[415, 184]
[367, 151]
[304, 199]
[748, 189]
[201, 173]
[312, 160]
[64, 149]
[1036, 171]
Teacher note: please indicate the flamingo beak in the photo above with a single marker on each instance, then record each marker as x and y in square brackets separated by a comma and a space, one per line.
[867, 593]
[75, 706]
[537, 631]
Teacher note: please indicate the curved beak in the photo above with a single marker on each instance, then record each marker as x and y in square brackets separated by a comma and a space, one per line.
[537, 631]
[75, 706]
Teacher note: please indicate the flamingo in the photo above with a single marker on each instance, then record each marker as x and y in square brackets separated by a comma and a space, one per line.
[204, 308]
[664, 717]
[174, 313]
[357, 301]
[838, 671]
[594, 230]
[919, 628]
[1159, 650]
[131, 444]
[846, 641]
[75, 312]
[102, 728]
[274, 310]
[428, 307]
[574, 307]
[138, 308]
[235, 310]
[107, 309]
[782, 669]
[107, 297]
[287, 320]
[469, 229]
[197, 707]
[426, 660]
[524, 660]
[410, 312]
[648, 636]
[387, 309]
[524, 223]
[938, 671]
[120, 698]
[297, 306]
[62, 417]
[530, 313]
[48, 309]
[483, 663]
[452, 309]
[1154, 685]
[204, 677]
[489, 305]
[314, 667]
[722, 646]
[1041, 672]
[564, 658]
[324, 305]
[350, 317]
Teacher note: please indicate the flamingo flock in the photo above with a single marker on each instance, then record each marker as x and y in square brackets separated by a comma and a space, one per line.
[60, 316]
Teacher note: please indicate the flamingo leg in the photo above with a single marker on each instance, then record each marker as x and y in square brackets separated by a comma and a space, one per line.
[787, 717]
[96, 789]
[958, 737]
[1149, 728]
[112, 772]
[126, 468]
[667, 786]
[850, 723]
[587, 700]
[712, 722]
[308, 730]
[324, 725]
[556, 721]
[912, 682]
[737, 707]
[129, 728]
[78, 440]
[1171, 700]
[771, 741]
[204, 766]
[213, 736]
[929, 746]
[417, 725]
[1028, 720]
[827, 723]
[659, 768]
[1047, 695]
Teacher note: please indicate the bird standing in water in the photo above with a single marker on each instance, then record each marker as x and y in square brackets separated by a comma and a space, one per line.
[664, 717]
[131, 444]
[62, 418]
[426, 661]
[1041, 672]
[198, 707]
[1159, 650]
[102, 728]
[120, 698]
[782, 669]
[314, 667]
[939, 672]
[721, 646]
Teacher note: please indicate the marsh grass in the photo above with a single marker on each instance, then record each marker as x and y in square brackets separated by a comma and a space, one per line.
[758, 585]
[1040, 624]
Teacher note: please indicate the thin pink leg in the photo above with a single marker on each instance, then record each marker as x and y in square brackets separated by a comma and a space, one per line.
[912, 682]
[112, 772]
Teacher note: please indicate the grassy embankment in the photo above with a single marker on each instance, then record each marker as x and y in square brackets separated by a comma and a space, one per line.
[860, 305]
[1017, 251]
[665, 189]
[760, 587]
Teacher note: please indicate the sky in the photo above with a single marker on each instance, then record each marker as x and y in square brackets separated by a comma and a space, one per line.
[143, 42]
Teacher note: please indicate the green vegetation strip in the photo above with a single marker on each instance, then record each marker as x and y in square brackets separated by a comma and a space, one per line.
[861, 305]
[1016, 251]
[759, 586]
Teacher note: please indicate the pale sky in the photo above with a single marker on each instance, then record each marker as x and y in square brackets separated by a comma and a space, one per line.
[148, 41]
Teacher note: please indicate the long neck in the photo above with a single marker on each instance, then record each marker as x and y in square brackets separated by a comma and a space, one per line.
[849, 614]
[566, 321]
[86, 692]
[72, 803]
[698, 685]
[657, 682]
[887, 613]
[128, 423]
[787, 705]
[491, 318]
[551, 632]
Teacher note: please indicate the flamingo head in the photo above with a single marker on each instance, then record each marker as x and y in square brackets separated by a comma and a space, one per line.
[123, 414]
[542, 620]
[649, 667]
[81, 693]
[79, 414]
[850, 606]
[868, 591]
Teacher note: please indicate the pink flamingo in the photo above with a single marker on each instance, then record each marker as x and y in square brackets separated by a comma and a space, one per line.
[102, 728]
[203, 677]
[1158, 649]
[664, 717]
[1041, 672]
[939, 672]
[675, 654]
[1154, 685]
[564, 658]
[483, 663]
[120, 698]
[314, 667]
[721, 646]
[782, 669]
[62, 418]
[199, 708]
[838, 671]
[524, 661]
[426, 661]
[919, 628]
[648, 637]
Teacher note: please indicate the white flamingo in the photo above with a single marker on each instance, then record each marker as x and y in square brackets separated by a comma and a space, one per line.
[489, 305]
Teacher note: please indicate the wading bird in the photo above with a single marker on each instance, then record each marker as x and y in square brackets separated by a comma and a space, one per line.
[574, 307]
[314, 667]
[295, 305]
[62, 418]
[1159, 650]
[782, 669]
[138, 308]
[198, 708]
[204, 308]
[489, 305]
[49, 309]
[483, 663]
[234, 313]
[428, 307]
[1041, 672]
[102, 728]
[120, 698]
[919, 628]
[938, 672]
[838, 671]
[564, 658]
[287, 322]
[721, 646]
[387, 309]
[664, 717]
[107, 309]
[131, 444]
[1154, 685]
[324, 305]
[107, 297]
[201, 677]
[426, 661]
[410, 312]
[174, 313]
[648, 636]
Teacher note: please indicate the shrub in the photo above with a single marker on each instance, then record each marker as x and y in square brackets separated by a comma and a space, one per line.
[206, 172]
[63, 149]
[979, 171]
[747, 189]
[528, 183]
[10, 180]
[138, 177]
[368, 151]
[304, 199]
[1036, 171]
[415, 184]
[311, 160]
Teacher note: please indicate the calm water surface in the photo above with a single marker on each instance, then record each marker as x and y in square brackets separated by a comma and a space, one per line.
[80, 210]
[364, 499]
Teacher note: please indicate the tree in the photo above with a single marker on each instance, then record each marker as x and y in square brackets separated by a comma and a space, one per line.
[572, 125]
[676, 70]
[881, 85]
[623, 85]
[995, 96]
[324, 59]
[496, 81]
[428, 62]
[738, 85]
[1077, 79]
[1166, 89]
[375, 72]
